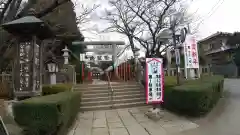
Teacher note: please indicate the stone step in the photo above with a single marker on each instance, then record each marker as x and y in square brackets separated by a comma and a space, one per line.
[106, 94]
[97, 96]
[115, 106]
[117, 97]
[114, 89]
[106, 83]
[115, 101]
[102, 87]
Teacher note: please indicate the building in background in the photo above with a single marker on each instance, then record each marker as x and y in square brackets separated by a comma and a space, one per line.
[218, 50]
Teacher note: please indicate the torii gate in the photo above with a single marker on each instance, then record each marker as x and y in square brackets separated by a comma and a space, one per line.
[114, 45]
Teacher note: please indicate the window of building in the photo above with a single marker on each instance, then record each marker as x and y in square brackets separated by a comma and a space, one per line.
[211, 46]
[203, 71]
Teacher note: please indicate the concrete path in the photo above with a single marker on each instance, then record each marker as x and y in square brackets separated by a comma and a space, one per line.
[129, 122]
[223, 120]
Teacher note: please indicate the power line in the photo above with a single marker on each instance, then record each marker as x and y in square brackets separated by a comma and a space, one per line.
[201, 18]
[217, 5]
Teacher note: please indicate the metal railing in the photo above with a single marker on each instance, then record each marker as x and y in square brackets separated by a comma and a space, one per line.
[110, 89]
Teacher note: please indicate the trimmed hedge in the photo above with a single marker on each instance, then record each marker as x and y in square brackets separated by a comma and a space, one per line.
[54, 89]
[194, 97]
[47, 115]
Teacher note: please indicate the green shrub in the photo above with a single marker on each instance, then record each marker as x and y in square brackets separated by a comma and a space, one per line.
[170, 81]
[54, 89]
[194, 98]
[47, 115]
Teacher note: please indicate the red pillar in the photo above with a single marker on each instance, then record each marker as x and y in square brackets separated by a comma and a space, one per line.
[120, 69]
[90, 76]
[129, 72]
[124, 71]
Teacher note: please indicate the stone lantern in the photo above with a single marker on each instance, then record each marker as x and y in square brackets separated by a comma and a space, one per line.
[29, 32]
[66, 55]
[52, 67]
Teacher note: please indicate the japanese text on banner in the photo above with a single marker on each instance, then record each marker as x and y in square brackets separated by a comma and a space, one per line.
[191, 52]
[154, 80]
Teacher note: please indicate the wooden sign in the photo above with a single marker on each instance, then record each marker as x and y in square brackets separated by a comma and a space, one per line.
[154, 80]
[3, 129]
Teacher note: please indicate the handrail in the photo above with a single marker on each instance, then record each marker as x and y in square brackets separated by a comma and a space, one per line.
[110, 89]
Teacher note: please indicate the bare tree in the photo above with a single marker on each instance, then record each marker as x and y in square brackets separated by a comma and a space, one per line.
[142, 20]
[122, 20]
[85, 15]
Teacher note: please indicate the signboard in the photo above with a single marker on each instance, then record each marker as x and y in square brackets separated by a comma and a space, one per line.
[82, 57]
[3, 129]
[96, 57]
[154, 80]
[191, 52]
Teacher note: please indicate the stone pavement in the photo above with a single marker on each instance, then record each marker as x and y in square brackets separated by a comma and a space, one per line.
[222, 120]
[131, 121]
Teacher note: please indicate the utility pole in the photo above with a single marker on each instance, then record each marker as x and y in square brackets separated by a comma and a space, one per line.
[176, 48]
[177, 56]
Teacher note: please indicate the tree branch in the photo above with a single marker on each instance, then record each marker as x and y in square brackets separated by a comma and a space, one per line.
[54, 5]
[5, 7]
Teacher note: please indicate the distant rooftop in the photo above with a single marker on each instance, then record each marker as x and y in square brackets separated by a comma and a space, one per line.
[217, 34]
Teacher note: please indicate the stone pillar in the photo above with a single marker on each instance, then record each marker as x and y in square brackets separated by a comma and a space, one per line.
[137, 70]
[114, 57]
[114, 54]
[191, 73]
[28, 72]
[53, 78]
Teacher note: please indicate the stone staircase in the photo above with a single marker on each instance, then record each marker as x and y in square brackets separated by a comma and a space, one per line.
[97, 96]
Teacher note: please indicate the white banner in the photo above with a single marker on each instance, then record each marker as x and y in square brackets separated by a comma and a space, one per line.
[154, 80]
[191, 52]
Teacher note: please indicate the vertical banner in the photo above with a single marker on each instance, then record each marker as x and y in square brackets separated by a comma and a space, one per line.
[191, 52]
[154, 80]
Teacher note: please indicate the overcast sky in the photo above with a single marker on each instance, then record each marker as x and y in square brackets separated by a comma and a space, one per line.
[224, 16]
[210, 15]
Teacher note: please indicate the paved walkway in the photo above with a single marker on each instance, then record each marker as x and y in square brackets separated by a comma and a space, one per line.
[129, 122]
[223, 120]
[225, 117]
